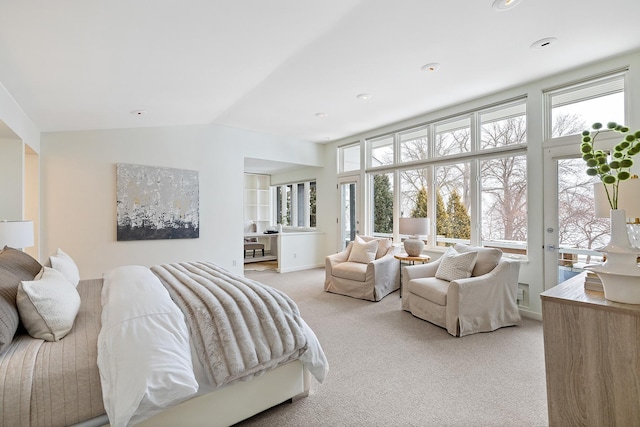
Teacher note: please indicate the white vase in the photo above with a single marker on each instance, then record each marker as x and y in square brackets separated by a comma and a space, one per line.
[620, 274]
[413, 246]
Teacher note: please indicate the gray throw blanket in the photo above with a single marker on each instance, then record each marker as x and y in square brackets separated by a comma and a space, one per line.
[239, 327]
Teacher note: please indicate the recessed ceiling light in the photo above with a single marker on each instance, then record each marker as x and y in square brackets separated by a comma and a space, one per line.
[138, 112]
[363, 96]
[502, 5]
[543, 43]
[321, 115]
[433, 66]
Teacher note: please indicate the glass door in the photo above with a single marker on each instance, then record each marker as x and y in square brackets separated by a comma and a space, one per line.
[348, 221]
[572, 231]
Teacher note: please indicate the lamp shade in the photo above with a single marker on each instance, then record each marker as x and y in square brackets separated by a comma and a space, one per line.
[414, 226]
[16, 234]
[628, 198]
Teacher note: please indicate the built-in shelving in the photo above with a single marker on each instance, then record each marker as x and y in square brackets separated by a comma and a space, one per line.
[257, 200]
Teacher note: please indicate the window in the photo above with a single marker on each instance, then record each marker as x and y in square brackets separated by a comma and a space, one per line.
[503, 126]
[414, 145]
[453, 137]
[382, 204]
[296, 204]
[577, 107]
[382, 151]
[468, 174]
[349, 158]
[453, 204]
[503, 195]
[414, 199]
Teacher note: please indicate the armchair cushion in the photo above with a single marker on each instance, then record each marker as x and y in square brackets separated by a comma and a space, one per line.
[431, 289]
[488, 258]
[363, 252]
[351, 270]
[455, 266]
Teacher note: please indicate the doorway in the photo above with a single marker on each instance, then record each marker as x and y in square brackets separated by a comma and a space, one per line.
[572, 231]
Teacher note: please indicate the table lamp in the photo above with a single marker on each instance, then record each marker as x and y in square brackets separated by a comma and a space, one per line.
[414, 227]
[16, 234]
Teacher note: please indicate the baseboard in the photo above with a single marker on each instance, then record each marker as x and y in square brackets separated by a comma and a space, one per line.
[300, 268]
[530, 314]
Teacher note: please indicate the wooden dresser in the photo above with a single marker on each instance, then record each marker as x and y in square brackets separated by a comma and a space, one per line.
[592, 357]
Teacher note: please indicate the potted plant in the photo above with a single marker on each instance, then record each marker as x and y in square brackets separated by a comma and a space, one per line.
[620, 274]
[611, 171]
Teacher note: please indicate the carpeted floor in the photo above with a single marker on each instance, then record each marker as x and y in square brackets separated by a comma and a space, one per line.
[388, 368]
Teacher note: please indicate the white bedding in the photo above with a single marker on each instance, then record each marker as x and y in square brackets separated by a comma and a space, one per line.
[143, 347]
[146, 356]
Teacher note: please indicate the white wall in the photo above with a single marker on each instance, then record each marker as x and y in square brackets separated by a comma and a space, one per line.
[79, 191]
[16, 119]
[11, 187]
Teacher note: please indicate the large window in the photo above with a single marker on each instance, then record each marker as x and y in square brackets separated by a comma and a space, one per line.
[468, 174]
[296, 204]
[349, 158]
[503, 189]
[453, 137]
[570, 110]
[577, 107]
[414, 144]
[382, 204]
[503, 126]
[453, 204]
[381, 150]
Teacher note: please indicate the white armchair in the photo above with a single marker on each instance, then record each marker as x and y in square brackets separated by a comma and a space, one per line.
[483, 302]
[372, 280]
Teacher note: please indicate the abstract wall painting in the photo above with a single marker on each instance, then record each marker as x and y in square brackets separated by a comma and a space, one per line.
[157, 203]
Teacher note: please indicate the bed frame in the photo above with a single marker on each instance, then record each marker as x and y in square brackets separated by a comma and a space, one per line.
[233, 403]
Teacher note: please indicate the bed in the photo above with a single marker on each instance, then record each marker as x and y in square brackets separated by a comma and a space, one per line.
[174, 344]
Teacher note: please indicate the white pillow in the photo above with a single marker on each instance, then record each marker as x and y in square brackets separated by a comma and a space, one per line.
[64, 264]
[363, 252]
[48, 306]
[454, 266]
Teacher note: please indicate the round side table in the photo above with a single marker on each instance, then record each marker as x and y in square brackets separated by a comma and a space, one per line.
[406, 259]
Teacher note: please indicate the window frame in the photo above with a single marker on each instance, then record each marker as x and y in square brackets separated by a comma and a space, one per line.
[280, 208]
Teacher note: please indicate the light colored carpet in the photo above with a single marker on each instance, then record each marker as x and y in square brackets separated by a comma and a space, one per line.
[388, 368]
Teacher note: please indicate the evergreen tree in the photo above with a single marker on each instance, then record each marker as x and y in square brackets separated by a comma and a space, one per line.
[459, 220]
[420, 210]
[382, 204]
[442, 218]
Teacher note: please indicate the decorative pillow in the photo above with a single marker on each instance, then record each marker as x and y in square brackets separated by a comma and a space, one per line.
[15, 266]
[19, 263]
[48, 306]
[9, 319]
[363, 252]
[63, 263]
[383, 247]
[488, 258]
[383, 244]
[454, 266]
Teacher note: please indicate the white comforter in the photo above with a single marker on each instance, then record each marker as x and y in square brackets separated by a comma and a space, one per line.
[143, 347]
[145, 354]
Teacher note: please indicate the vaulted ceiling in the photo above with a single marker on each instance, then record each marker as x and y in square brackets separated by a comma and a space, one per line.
[291, 68]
